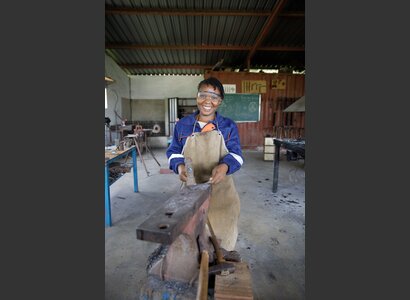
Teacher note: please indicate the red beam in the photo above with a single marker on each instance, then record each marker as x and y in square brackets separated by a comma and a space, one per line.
[291, 14]
[281, 48]
[275, 12]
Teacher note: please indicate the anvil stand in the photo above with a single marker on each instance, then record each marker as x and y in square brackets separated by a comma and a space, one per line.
[172, 270]
[177, 225]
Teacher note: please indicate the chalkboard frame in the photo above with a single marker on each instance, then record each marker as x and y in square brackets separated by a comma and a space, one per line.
[255, 117]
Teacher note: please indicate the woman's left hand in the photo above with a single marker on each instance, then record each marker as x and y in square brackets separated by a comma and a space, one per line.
[218, 173]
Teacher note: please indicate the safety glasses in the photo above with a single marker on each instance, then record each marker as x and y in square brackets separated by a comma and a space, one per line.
[202, 96]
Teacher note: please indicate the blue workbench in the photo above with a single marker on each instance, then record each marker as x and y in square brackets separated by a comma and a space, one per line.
[113, 157]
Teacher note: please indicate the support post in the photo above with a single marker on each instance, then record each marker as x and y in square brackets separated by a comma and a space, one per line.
[276, 165]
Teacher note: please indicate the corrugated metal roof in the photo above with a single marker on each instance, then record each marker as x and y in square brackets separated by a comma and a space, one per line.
[188, 37]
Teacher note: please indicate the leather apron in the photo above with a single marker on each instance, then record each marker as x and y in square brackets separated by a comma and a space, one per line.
[206, 149]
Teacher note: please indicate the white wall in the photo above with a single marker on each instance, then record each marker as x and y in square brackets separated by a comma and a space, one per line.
[164, 87]
[148, 110]
[149, 88]
[126, 109]
[117, 91]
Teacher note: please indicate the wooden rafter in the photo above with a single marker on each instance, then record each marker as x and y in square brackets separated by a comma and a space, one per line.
[265, 30]
[268, 15]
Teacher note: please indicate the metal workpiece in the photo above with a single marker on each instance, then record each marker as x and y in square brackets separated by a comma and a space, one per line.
[189, 171]
[175, 215]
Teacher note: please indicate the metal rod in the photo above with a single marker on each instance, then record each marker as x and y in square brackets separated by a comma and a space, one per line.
[139, 153]
[276, 166]
[107, 197]
[134, 169]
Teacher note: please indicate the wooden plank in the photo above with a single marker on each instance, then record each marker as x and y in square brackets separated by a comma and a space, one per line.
[237, 285]
[109, 154]
[202, 293]
[169, 221]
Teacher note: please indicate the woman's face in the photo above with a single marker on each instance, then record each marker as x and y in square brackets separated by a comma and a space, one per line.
[208, 99]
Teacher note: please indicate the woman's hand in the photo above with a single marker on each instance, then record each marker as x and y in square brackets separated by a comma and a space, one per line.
[218, 173]
[183, 176]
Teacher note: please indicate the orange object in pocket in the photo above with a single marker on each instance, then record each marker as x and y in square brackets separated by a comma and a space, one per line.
[208, 127]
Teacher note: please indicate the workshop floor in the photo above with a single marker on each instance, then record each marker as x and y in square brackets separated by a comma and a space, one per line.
[271, 226]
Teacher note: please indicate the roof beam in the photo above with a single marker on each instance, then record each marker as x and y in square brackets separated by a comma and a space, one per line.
[200, 47]
[281, 48]
[176, 66]
[175, 47]
[189, 12]
[291, 14]
[182, 12]
[262, 35]
[141, 66]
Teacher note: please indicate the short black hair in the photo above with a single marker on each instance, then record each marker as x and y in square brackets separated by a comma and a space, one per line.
[212, 81]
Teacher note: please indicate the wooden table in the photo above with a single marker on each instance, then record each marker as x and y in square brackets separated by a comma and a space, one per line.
[111, 156]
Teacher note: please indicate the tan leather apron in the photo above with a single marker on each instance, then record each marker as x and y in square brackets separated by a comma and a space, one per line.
[206, 150]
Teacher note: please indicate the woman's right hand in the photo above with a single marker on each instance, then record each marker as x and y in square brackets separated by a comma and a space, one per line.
[183, 176]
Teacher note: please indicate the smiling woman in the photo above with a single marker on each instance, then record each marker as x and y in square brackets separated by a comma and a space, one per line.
[211, 141]
[209, 97]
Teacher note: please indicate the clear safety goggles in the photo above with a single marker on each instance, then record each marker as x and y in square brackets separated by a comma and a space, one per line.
[215, 98]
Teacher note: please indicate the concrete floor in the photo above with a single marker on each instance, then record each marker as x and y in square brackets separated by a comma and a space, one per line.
[271, 226]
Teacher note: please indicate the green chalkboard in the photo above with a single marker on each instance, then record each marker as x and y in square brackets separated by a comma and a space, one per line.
[241, 107]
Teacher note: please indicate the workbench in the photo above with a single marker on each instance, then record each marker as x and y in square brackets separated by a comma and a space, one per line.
[111, 156]
[295, 145]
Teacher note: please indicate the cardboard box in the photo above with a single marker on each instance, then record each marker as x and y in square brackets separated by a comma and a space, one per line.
[269, 156]
[269, 149]
[269, 141]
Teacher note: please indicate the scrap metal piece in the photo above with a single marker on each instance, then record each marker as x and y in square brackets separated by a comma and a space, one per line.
[222, 268]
